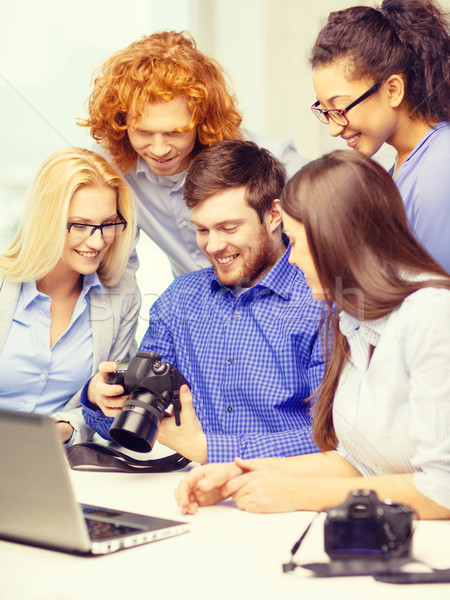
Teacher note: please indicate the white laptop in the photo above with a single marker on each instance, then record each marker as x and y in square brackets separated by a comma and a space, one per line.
[37, 502]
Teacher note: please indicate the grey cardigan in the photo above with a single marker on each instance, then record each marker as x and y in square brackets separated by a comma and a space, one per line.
[114, 315]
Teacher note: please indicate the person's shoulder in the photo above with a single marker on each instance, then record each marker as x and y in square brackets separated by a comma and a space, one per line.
[126, 284]
[9, 290]
[193, 279]
[423, 313]
[425, 294]
[429, 169]
[440, 137]
[437, 143]
[300, 290]
[282, 148]
[275, 145]
[442, 130]
[429, 300]
[99, 149]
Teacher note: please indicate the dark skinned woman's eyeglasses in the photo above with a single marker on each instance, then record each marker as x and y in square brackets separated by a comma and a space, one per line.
[338, 115]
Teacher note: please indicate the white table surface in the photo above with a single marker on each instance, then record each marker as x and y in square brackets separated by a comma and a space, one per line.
[227, 554]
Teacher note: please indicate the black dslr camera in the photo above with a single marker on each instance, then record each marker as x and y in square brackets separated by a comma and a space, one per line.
[153, 385]
[364, 527]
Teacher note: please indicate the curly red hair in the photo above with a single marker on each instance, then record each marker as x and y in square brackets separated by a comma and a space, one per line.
[158, 68]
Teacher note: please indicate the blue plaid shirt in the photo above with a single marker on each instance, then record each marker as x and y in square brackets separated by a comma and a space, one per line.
[251, 359]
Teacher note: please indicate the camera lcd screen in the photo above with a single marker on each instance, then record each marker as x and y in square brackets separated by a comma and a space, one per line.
[355, 537]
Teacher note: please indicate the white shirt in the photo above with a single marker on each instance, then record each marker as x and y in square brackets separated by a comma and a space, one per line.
[164, 216]
[392, 415]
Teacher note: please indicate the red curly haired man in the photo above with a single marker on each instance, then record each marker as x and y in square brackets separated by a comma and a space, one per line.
[153, 107]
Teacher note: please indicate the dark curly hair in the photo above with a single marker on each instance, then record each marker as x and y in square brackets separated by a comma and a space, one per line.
[402, 36]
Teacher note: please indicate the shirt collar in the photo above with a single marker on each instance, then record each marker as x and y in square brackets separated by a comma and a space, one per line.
[371, 330]
[30, 291]
[91, 281]
[277, 280]
[422, 141]
[173, 181]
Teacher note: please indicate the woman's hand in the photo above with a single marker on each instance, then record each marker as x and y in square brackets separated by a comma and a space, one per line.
[107, 397]
[204, 485]
[263, 489]
[65, 431]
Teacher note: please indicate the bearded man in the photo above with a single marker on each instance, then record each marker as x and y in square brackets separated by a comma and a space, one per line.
[243, 332]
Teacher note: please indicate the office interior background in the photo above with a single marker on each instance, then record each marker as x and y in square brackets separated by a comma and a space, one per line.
[50, 49]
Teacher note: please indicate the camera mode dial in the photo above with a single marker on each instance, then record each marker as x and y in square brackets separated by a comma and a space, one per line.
[159, 367]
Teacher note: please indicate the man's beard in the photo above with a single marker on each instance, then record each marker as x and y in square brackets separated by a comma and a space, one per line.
[255, 263]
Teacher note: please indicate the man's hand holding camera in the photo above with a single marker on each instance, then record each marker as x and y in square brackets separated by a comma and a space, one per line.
[188, 439]
[109, 398]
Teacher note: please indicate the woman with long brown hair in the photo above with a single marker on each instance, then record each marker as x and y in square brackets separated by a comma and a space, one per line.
[382, 415]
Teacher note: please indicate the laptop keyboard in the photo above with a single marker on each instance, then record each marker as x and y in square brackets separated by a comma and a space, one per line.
[100, 530]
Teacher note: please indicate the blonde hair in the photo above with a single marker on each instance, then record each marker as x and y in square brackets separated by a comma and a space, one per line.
[39, 242]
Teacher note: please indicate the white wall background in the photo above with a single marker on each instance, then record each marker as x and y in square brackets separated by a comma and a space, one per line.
[50, 49]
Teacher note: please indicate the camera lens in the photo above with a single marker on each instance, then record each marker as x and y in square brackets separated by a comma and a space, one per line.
[136, 426]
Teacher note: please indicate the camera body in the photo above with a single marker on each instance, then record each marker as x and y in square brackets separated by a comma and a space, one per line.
[153, 385]
[365, 527]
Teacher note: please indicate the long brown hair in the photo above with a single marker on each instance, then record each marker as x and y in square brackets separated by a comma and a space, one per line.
[366, 258]
[402, 36]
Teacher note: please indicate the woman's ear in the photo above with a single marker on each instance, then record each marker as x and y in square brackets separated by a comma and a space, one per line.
[395, 87]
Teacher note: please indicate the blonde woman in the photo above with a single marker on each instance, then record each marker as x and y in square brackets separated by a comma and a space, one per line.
[65, 302]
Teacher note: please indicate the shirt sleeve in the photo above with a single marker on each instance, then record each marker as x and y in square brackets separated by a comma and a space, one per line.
[74, 416]
[427, 357]
[288, 155]
[282, 148]
[225, 448]
[158, 337]
[94, 417]
[431, 220]
[123, 346]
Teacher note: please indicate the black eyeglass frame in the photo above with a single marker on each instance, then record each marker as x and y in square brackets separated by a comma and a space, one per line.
[328, 114]
[101, 227]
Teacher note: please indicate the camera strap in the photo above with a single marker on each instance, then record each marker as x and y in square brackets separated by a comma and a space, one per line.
[90, 456]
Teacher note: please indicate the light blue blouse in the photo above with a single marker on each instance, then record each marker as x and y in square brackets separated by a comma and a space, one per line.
[424, 184]
[33, 376]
